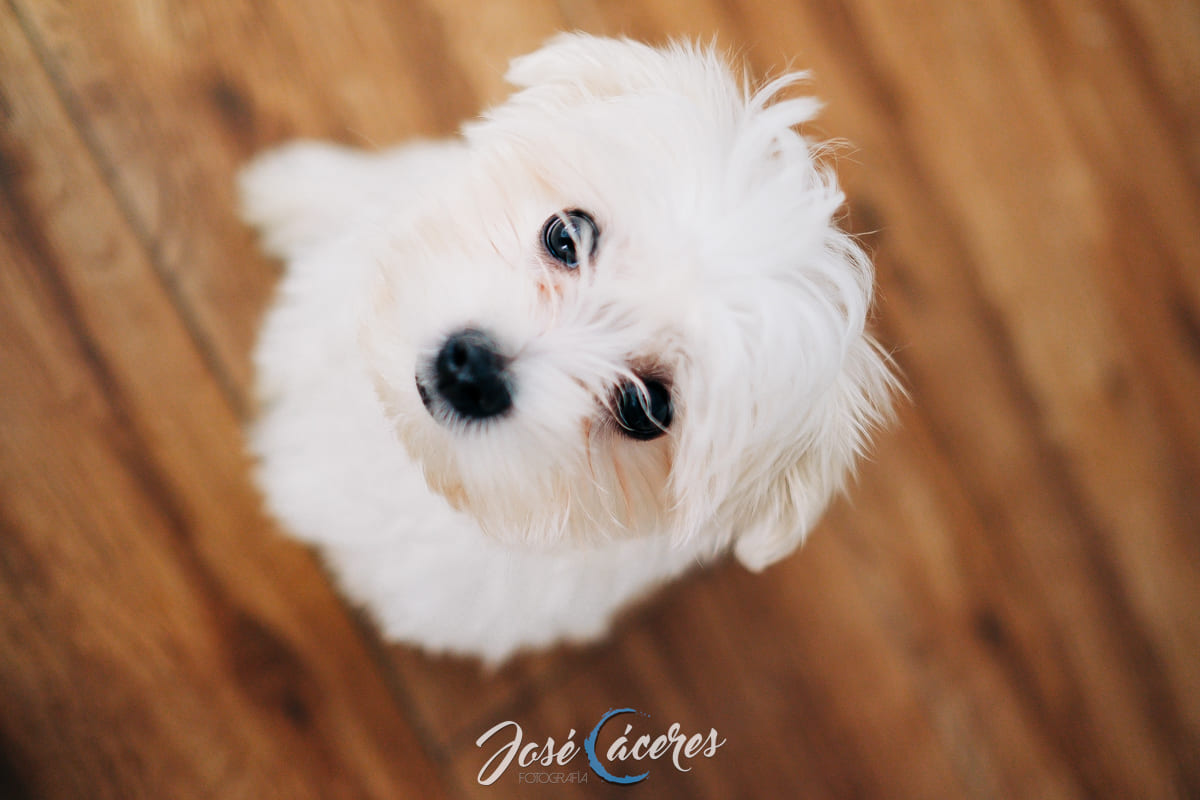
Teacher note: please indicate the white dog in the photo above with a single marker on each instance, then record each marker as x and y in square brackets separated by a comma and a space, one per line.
[513, 381]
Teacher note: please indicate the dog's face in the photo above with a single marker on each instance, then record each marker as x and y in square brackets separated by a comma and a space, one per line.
[628, 311]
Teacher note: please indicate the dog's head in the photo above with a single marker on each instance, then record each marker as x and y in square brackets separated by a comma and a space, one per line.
[629, 310]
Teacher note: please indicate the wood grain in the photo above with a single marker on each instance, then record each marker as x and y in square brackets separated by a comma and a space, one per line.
[158, 640]
[1006, 608]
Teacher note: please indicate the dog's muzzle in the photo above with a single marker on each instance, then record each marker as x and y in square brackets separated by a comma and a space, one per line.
[470, 375]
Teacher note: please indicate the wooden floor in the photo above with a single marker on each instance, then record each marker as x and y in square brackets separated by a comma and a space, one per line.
[1009, 607]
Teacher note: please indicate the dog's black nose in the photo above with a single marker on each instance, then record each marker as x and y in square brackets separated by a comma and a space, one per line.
[471, 375]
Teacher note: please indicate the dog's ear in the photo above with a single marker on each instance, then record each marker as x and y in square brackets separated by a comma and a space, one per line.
[860, 402]
[783, 517]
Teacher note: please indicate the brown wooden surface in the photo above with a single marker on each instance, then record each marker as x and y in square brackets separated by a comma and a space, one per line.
[1008, 607]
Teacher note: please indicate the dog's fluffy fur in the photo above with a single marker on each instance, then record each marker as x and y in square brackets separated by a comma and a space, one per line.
[719, 270]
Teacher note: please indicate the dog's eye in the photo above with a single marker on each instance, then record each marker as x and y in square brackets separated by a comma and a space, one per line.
[569, 235]
[641, 420]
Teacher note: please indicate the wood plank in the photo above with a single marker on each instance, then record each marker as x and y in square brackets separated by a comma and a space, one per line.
[158, 638]
[1007, 608]
[1109, 454]
[172, 98]
[1067, 497]
[173, 104]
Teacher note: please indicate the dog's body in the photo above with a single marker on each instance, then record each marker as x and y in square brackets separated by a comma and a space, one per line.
[513, 382]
